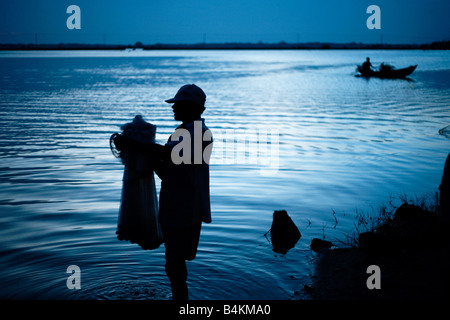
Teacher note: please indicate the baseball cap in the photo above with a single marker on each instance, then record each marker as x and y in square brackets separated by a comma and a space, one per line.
[189, 93]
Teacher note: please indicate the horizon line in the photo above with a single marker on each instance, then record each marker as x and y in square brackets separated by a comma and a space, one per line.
[443, 44]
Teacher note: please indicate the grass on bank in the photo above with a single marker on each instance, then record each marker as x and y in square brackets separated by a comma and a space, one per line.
[385, 216]
[410, 245]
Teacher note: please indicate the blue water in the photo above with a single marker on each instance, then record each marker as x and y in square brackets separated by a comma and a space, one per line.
[346, 144]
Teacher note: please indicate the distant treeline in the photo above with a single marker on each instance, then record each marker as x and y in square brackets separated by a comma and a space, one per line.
[439, 45]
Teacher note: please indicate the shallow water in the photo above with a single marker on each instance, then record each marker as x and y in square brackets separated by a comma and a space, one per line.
[346, 144]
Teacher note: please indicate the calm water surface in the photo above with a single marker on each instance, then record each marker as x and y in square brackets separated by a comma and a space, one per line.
[346, 144]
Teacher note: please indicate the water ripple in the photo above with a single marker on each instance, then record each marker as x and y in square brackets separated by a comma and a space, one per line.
[345, 144]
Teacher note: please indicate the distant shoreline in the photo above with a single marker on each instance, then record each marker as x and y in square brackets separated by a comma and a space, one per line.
[439, 45]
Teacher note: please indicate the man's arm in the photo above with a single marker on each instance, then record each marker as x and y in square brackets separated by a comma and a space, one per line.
[155, 150]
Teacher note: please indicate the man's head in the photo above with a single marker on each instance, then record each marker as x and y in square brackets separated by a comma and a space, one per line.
[188, 103]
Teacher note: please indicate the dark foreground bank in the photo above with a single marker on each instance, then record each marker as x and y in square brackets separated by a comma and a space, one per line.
[411, 248]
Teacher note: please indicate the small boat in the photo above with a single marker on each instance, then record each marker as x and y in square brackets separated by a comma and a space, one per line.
[387, 72]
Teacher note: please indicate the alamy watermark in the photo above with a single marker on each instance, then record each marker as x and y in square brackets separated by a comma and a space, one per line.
[254, 147]
[374, 280]
[74, 280]
[374, 20]
[74, 20]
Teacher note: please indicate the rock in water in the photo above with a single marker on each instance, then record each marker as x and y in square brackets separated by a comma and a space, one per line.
[445, 131]
[284, 233]
[318, 245]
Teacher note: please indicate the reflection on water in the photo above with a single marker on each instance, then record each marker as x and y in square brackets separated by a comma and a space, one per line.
[346, 143]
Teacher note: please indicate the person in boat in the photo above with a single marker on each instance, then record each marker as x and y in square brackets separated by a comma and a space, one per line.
[184, 200]
[367, 66]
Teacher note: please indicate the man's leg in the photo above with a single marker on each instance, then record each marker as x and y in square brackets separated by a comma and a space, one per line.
[177, 273]
[181, 245]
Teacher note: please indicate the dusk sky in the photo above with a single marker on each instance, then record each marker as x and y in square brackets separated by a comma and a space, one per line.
[213, 21]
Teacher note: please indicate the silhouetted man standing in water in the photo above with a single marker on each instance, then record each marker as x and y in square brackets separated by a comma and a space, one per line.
[183, 166]
[184, 197]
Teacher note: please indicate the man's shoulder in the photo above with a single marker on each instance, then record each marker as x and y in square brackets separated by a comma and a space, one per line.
[194, 124]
